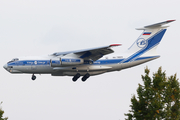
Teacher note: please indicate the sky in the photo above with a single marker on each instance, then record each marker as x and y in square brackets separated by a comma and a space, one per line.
[42, 27]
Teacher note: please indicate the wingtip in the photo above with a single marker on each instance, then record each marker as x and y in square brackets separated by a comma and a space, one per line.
[170, 20]
[112, 45]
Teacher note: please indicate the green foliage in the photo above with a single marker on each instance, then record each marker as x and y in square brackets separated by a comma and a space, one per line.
[1, 114]
[158, 98]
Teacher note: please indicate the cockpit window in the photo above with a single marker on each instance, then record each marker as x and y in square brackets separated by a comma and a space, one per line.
[15, 59]
[54, 54]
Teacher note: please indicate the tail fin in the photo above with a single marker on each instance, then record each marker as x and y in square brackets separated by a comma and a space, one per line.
[148, 41]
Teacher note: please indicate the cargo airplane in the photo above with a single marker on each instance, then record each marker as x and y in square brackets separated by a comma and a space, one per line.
[92, 61]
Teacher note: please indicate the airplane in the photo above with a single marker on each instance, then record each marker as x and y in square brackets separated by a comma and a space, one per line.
[94, 61]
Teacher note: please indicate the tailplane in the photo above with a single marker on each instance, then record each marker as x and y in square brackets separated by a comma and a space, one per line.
[148, 41]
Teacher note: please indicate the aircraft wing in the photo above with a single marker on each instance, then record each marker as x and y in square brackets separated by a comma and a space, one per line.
[90, 54]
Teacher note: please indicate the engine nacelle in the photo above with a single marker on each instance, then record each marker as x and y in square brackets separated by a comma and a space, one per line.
[58, 62]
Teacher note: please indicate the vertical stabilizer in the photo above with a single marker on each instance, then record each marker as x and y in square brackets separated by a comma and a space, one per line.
[148, 41]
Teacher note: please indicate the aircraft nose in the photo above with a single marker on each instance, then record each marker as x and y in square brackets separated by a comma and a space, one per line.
[5, 66]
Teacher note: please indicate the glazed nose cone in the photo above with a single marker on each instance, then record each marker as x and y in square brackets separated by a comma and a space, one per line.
[5, 66]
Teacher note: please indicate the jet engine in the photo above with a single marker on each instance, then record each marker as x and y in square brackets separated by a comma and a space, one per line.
[58, 62]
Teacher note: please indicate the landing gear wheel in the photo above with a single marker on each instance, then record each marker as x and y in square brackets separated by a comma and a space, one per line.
[76, 77]
[85, 77]
[33, 77]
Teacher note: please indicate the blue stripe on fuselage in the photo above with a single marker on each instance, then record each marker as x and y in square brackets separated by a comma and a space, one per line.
[30, 62]
[110, 61]
[115, 61]
[98, 62]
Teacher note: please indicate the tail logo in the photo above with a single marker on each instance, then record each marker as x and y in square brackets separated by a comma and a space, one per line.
[141, 42]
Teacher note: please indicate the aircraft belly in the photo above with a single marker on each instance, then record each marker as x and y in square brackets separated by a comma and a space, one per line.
[83, 73]
[82, 68]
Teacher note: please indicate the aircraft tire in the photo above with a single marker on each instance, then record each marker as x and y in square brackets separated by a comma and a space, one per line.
[76, 77]
[85, 77]
[33, 77]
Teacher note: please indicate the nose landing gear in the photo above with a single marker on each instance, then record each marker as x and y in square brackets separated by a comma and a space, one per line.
[33, 77]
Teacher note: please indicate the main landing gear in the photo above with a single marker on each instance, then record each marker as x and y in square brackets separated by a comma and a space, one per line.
[76, 77]
[84, 78]
[33, 77]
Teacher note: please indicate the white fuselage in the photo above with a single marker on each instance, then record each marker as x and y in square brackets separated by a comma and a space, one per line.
[43, 65]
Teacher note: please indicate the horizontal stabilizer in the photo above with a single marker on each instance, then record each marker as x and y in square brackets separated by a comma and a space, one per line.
[155, 25]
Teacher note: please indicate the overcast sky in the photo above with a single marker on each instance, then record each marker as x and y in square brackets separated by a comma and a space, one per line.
[42, 27]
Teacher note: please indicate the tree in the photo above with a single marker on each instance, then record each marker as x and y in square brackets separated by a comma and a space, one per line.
[1, 114]
[158, 98]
